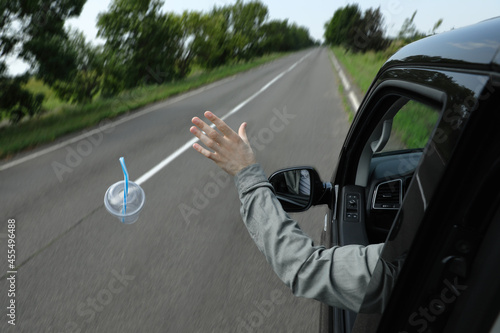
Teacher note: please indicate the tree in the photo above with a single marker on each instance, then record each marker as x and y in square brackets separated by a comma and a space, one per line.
[436, 26]
[232, 32]
[409, 32]
[342, 26]
[86, 79]
[279, 36]
[298, 38]
[189, 22]
[45, 40]
[246, 23]
[34, 32]
[369, 33]
[211, 44]
[16, 101]
[356, 31]
[144, 43]
[275, 36]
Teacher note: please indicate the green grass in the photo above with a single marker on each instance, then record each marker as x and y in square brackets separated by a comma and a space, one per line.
[361, 66]
[51, 101]
[63, 118]
[347, 105]
[414, 122]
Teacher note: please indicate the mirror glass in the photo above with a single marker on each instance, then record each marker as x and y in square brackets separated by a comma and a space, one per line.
[293, 188]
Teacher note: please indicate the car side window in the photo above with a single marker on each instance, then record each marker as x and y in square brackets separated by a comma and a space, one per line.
[412, 127]
[400, 136]
[393, 152]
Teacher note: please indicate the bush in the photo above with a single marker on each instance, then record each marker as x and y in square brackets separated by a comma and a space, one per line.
[17, 102]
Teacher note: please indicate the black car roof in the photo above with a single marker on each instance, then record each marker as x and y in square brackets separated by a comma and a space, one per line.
[472, 47]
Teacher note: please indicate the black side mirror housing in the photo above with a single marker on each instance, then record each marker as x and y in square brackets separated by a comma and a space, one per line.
[299, 188]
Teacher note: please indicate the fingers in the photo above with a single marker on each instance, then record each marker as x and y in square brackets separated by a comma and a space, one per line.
[203, 151]
[209, 142]
[231, 151]
[221, 125]
[209, 131]
[242, 132]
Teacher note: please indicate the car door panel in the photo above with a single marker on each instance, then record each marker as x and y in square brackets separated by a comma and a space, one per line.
[363, 173]
[352, 229]
[425, 180]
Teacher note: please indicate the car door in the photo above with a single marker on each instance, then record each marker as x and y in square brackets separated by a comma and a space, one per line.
[395, 155]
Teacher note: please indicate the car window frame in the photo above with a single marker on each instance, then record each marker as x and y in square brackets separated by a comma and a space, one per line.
[362, 320]
[372, 107]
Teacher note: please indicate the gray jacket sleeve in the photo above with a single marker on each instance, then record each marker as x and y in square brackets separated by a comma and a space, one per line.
[337, 276]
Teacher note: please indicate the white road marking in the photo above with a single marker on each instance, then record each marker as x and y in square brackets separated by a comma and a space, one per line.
[354, 101]
[345, 82]
[335, 63]
[113, 124]
[188, 144]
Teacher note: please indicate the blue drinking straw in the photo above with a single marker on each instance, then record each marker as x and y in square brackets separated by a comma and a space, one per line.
[125, 192]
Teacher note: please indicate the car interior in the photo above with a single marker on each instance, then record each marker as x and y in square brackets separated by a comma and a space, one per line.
[385, 169]
[388, 162]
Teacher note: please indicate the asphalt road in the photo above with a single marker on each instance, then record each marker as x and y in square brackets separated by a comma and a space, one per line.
[188, 264]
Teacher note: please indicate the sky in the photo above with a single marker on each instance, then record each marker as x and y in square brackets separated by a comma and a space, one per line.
[313, 14]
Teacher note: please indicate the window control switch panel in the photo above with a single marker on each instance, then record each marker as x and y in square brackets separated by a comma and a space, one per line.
[352, 207]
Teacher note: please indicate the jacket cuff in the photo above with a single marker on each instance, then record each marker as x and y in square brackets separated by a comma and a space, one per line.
[251, 177]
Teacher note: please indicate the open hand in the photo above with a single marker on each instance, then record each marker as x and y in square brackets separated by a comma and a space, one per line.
[229, 150]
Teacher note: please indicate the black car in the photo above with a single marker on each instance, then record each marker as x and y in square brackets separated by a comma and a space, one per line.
[420, 171]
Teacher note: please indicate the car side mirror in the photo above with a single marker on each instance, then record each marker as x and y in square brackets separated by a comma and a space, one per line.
[299, 188]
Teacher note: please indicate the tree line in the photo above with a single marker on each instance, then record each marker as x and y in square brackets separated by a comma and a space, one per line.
[360, 32]
[143, 46]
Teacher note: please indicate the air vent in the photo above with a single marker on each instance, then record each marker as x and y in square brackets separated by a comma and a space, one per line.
[388, 195]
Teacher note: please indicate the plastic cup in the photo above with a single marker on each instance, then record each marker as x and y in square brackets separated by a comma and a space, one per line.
[113, 200]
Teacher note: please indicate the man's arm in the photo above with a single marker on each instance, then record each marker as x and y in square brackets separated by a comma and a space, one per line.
[337, 276]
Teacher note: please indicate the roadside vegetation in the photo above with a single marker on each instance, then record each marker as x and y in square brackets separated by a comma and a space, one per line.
[65, 118]
[147, 55]
[362, 67]
[358, 41]
[413, 124]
